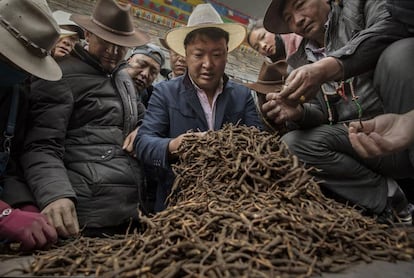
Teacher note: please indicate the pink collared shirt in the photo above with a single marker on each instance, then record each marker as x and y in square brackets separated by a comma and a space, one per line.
[209, 110]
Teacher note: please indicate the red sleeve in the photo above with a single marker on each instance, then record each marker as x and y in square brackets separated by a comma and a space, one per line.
[3, 206]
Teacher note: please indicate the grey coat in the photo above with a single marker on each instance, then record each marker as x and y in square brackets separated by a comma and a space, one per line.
[358, 32]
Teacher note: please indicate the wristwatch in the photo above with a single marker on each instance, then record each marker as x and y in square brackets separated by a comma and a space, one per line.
[5, 212]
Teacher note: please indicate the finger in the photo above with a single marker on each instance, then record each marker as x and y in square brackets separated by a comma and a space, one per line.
[274, 113]
[75, 220]
[28, 242]
[70, 221]
[38, 236]
[370, 146]
[268, 106]
[356, 144]
[287, 89]
[270, 96]
[59, 223]
[127, 142]
[383, 146]
[367, 126]
[50, 232]
[365, 145]
[129, 148]
[292, 83]
[296, 93]
[48, 214]
[353, 127]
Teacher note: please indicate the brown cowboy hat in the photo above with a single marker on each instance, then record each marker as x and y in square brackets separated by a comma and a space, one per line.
[271, 77]
[113, 23]
[273, 20]
[204, 16]
[28, 33]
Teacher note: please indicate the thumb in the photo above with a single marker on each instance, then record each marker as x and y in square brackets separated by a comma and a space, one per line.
[126, 143]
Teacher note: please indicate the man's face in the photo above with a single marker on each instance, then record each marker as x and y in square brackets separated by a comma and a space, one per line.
[177, 63]
[143, 71]
[108, 54]
[64, 46]
[306, 17]
[206, 61]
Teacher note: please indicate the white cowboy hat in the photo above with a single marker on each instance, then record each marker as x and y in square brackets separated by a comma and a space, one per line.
[63, 19]
[204, 16]
[65, 33]
[28, 33]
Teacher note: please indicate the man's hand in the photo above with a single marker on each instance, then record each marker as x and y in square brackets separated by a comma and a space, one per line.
[128, 145]
[31, 229]
[62, 215]
[278, 111]
[385, 134]
[176, 142]
[304, 82]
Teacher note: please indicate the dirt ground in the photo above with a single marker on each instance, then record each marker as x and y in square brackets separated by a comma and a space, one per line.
[377, 269]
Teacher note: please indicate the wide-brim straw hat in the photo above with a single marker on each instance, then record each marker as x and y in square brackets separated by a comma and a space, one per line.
[63, 19]
[164, 44]
[113, 23]
[205, 16]
[28, 33]
[271, 77]
[273, 20]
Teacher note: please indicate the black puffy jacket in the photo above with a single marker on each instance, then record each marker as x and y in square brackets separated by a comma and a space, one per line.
[73, 148]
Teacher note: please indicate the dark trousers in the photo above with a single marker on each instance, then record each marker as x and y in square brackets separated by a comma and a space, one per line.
[343, 172]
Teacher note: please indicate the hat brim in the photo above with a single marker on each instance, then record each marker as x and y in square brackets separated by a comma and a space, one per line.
[273, 21]
[268, 87]
[164, 43]
[42, 67]
[136, 39]
[175, 37]
[66, 33]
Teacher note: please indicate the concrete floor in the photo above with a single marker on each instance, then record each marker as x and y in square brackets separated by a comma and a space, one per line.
[377, 269]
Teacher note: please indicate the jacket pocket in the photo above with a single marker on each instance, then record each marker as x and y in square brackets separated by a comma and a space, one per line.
[91, 153]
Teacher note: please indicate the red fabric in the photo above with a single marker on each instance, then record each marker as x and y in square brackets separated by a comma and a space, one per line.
[3, 206]
[292, 42]
[29, 208]
[30, 229]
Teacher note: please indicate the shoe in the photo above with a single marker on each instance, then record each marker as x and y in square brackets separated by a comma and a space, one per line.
[397, 211]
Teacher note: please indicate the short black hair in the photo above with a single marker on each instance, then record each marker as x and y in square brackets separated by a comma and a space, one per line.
[212, 33]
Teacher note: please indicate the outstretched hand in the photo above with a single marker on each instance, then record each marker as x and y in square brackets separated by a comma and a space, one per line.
[385, 134]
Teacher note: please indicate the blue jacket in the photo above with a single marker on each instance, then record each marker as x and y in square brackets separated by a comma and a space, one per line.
[174, 109]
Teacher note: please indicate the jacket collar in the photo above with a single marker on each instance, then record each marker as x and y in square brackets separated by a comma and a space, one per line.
[80, 52]
[195, 105]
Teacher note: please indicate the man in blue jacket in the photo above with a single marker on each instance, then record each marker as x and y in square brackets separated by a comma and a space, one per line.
[202, 99]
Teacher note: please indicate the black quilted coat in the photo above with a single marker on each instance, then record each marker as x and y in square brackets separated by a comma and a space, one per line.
[73, 147]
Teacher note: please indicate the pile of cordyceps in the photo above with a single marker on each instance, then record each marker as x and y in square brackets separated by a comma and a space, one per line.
[241, 205]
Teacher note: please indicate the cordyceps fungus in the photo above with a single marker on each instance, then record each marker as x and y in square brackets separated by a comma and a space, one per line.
[241, 205]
